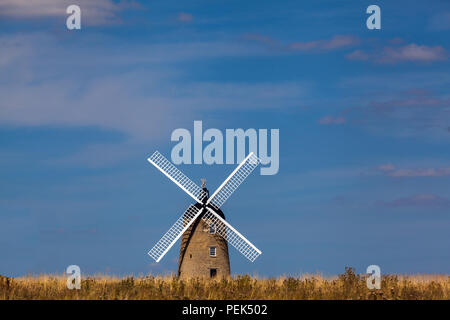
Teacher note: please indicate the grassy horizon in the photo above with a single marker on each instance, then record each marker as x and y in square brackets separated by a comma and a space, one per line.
[348, 285]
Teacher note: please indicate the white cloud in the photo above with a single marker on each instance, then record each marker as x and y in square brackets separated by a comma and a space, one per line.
[357, 55]
[79, 84]
[332, 120]
[401, 53]
[413, 52]
[336, 42]
[96, 12]
[390, 170]
[386, 167]
[402, 104]
[418, 200]
[185, 17]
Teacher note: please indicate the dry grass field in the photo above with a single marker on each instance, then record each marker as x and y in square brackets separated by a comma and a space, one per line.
[345, 286]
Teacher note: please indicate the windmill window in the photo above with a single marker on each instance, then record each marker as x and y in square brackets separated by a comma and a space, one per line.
[212, 251]
[212, 272]
[212, 229]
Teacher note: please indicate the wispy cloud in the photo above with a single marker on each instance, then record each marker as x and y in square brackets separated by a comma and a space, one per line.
[64, 231]
[185, 17]
[392, 171]
[413, 53]
[260, 38]
[358, 55]
[415, 101]
[322, 45]
[418, 200]
[398, 54]
[336, 42]
[99, 12]
[440, 21]
[332, 120]
[406, 112]
[98, 155]
[386, 167]
[141, 102]
[430, 172]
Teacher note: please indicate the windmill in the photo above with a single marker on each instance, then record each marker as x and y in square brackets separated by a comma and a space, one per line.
[204, 231]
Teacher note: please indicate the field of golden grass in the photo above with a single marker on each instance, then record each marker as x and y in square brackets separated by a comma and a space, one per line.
[348, 285]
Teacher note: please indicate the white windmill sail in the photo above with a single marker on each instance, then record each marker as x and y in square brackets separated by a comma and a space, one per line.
[218, 198]
[221, 195]
[175, 232]
[178, 177]
[230, 234]
[233, 181]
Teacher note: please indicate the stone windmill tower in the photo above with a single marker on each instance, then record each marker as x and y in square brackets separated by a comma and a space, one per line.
[204, 231]
[203, 253]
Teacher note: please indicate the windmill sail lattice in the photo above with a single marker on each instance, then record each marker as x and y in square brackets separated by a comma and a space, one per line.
[179, 227]
[178, 177]
[237, 240]
[210, 216]
[234, 180]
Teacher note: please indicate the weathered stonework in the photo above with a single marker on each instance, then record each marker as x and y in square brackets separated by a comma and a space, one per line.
[195, 259]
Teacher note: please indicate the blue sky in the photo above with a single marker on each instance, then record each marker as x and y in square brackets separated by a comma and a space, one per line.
[364, 119]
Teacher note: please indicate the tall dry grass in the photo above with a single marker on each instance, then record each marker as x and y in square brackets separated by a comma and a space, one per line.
[345, 286]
